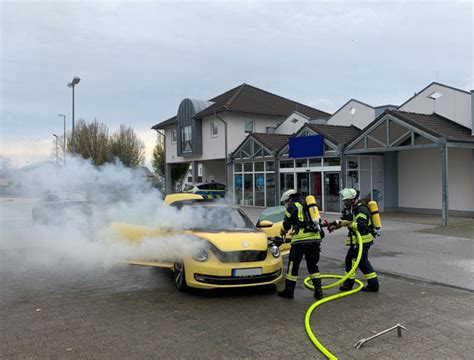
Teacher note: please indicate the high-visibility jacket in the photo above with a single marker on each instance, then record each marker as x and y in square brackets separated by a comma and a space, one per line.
[362, 222]
[297, 217]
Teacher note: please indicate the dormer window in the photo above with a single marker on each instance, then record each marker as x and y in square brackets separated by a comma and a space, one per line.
[435, 95]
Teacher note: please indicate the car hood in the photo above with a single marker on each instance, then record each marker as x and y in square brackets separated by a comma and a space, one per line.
[235, 240]
[223, 240]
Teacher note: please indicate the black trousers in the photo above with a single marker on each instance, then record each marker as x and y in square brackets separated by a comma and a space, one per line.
[365, 266]
[311, 251]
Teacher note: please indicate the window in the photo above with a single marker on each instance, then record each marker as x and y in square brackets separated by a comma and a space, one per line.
[435, 95]
[294, 120]
[186, 137]
[173, 137]
[270, 130]
[214, 129]
[248, 126]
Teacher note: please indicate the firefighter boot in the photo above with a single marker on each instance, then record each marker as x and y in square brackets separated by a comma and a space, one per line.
[372, 285]
[289, 291]
[347, 285]
[318, 292]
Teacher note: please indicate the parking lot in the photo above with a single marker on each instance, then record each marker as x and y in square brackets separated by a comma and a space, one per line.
[72, 310]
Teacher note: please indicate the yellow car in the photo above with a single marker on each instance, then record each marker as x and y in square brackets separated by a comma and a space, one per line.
[232, 251]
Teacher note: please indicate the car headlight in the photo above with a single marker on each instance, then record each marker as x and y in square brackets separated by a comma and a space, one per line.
[275, 251]
[200, 254]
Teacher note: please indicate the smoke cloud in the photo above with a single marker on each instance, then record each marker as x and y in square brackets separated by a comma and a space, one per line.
[90, 200]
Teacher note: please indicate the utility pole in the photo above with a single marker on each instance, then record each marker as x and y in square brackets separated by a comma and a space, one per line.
[64, 140]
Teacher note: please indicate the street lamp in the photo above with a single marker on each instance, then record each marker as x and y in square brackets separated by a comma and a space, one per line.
[56, 137]
[64, 140]
[72, 84]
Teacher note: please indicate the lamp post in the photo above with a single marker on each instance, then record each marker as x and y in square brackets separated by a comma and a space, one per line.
[72, 85]
[64, 140]
[56, 137]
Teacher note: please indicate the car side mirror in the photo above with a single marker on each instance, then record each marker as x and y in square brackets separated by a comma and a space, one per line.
[264, 224]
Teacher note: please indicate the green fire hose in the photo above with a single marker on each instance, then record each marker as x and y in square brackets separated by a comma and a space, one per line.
[341, 278]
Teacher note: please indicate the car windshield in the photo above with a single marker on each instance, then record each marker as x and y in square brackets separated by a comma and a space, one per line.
[273, 214]
[217, 217]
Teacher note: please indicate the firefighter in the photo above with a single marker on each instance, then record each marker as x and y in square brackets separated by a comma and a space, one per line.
[356, 215]
[306, 240]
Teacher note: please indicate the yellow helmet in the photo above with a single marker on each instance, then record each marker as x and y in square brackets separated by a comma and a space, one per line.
[348, 194]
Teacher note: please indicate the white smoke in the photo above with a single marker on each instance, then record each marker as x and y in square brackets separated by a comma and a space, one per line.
[116, 194]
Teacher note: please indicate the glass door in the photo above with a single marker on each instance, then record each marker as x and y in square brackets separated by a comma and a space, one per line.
[331, 192]
[302, 182]
[316, 189]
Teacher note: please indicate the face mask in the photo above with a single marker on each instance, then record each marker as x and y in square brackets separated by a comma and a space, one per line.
[348, 203]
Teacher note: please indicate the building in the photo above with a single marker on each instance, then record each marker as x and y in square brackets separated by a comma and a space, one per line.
[204, 132]
[415, 157]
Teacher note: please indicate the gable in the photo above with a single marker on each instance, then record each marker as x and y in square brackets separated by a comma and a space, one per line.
[354, 113]
[454, 104]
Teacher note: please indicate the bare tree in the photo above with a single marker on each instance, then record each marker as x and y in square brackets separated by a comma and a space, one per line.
[92, 140]
[127, 147]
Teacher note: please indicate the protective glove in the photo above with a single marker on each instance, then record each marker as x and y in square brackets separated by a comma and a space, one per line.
[282, 232]
[345, 223]
[331, 226]
[278, 241]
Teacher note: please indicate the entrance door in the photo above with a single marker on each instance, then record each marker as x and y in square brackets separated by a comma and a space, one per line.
[316, 189]
[302, 181]
[331, 192]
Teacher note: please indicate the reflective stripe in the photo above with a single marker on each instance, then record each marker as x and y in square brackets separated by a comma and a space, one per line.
[360, 215]
[291, 277]
[287, 214]
[315, 276]
[365, 239]
[300, 212]
[372, 275]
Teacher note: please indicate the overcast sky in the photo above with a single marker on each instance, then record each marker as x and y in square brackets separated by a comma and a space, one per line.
[138, 59]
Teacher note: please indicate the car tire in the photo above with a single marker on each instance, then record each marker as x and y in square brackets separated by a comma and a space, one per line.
[179, 275]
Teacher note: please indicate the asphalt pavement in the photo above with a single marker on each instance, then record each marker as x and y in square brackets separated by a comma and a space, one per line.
[421, 250]
[72, 310]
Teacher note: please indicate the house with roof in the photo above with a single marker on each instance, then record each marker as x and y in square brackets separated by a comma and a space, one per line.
[205, 132]
[416, 157]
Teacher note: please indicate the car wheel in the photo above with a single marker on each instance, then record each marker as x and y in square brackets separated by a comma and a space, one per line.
[179, 275]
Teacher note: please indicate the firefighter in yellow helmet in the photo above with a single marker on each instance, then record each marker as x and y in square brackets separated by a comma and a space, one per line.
[357, 216]
[305, 240]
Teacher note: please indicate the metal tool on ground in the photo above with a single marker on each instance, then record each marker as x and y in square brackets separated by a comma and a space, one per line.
[399, 328]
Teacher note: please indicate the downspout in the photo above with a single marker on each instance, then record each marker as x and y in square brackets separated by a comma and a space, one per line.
[225, 149]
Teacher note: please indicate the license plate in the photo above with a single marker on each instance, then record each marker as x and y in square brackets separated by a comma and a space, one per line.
[246, 272]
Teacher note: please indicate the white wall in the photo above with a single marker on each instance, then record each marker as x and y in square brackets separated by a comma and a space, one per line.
[362, 116]
[289, 126]
[419, 179]
[453, 104]
[213, 171]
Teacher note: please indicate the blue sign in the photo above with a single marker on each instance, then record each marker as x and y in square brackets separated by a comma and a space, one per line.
[306, 146]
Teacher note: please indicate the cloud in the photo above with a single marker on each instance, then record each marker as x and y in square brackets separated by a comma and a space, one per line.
[139, 59]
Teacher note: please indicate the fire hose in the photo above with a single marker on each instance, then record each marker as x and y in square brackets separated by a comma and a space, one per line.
[341, 278]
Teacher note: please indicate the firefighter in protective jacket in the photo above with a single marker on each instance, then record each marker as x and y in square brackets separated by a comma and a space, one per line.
[356, 216]
[306, 240]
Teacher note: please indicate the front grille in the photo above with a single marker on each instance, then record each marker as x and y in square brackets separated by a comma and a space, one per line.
[239, 256]
[229, 280]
